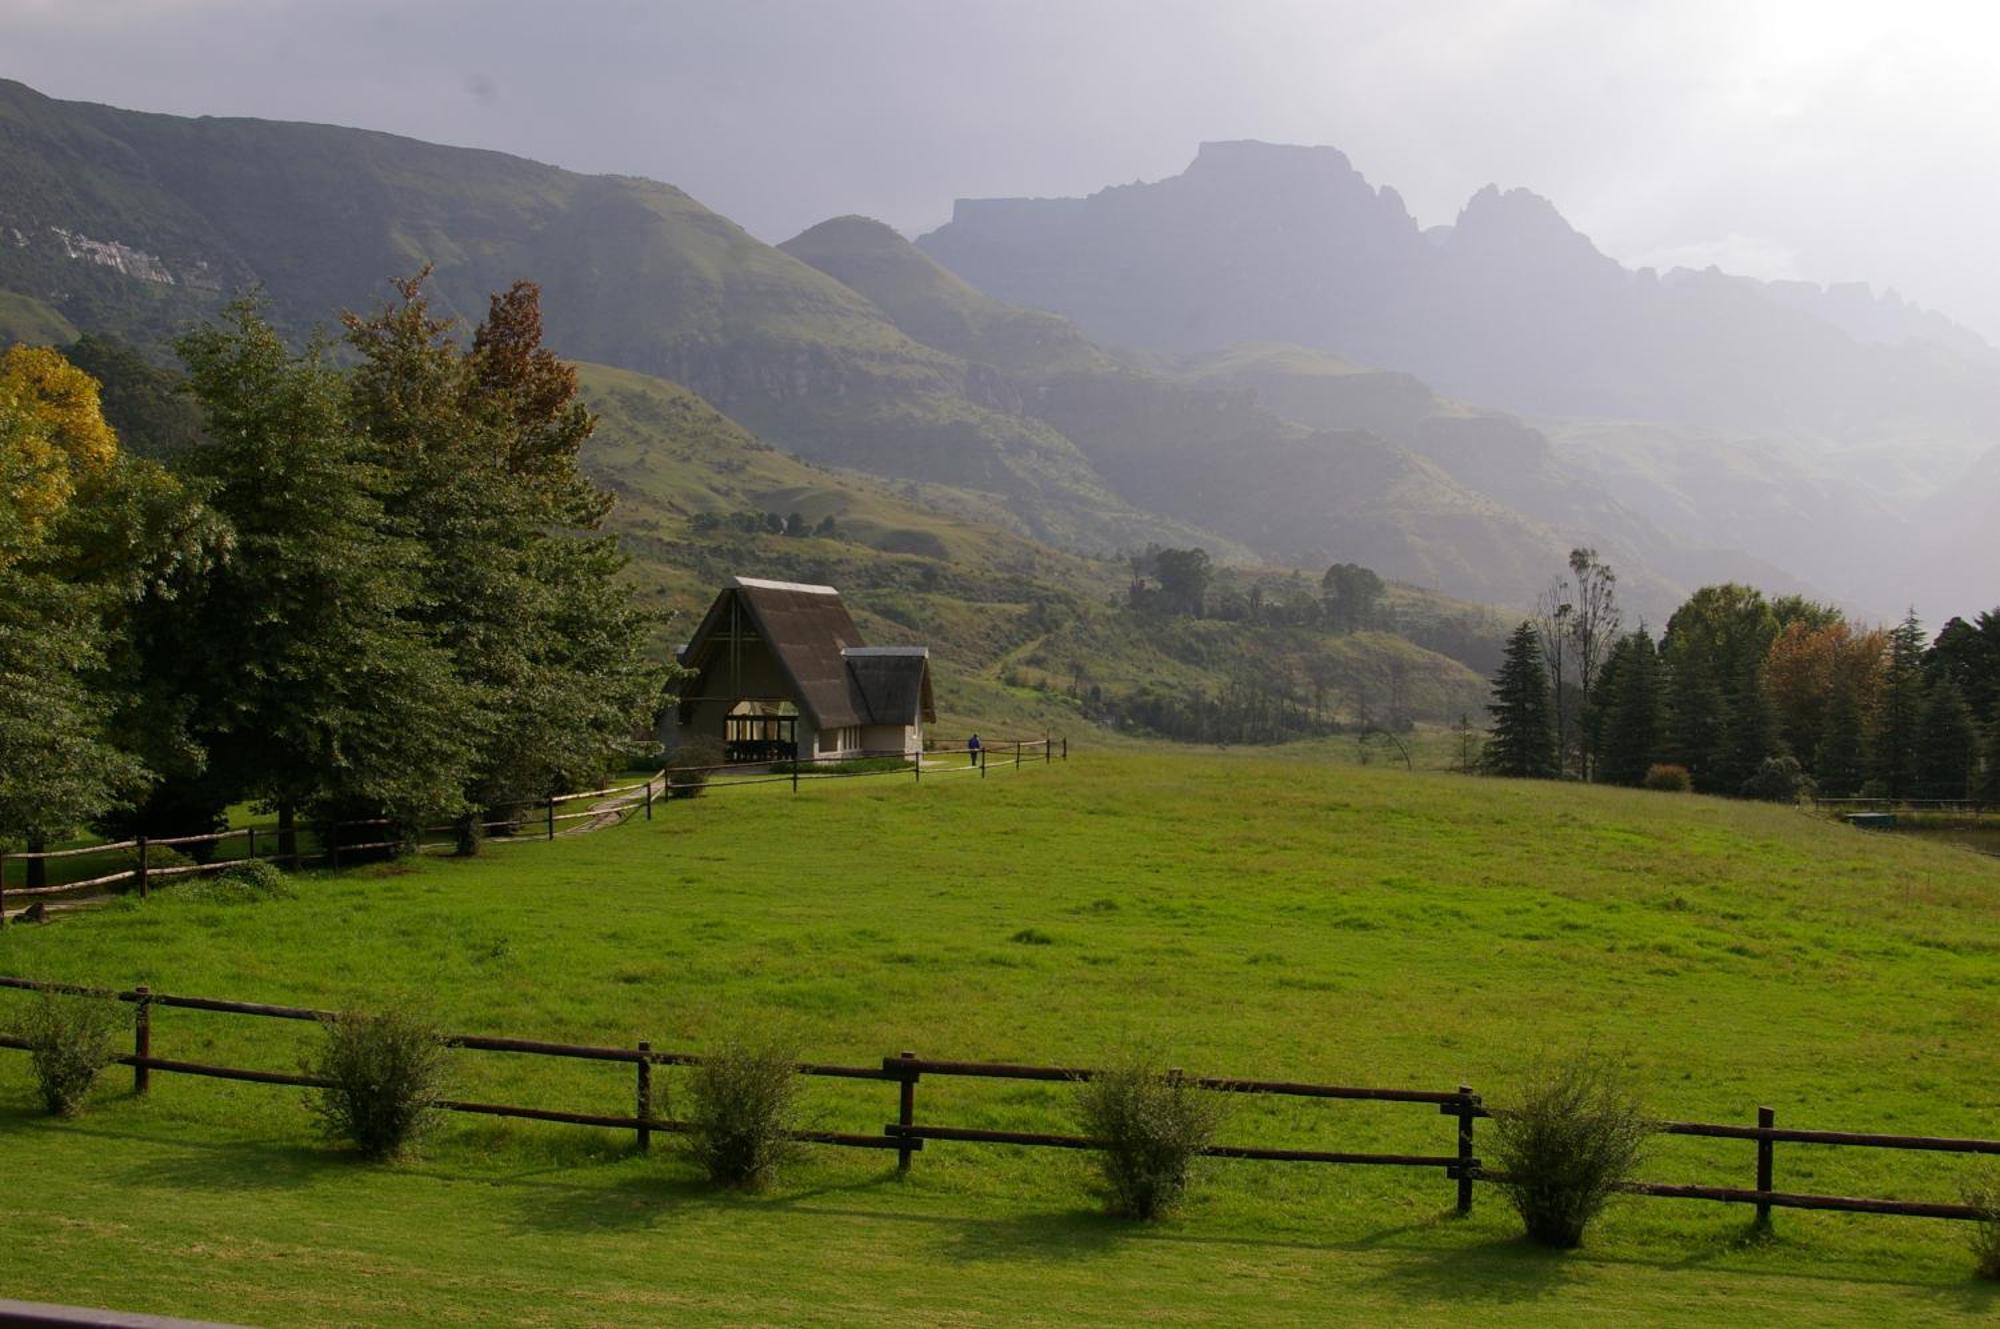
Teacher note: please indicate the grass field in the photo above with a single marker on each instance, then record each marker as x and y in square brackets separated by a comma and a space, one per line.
[1248, 914]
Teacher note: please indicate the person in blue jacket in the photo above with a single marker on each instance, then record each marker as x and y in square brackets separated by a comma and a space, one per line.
[972, 748]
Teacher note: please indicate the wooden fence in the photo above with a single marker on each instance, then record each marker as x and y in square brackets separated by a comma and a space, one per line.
[615, 802]
[1457, 1161]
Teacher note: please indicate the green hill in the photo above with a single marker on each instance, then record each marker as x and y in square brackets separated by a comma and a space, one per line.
[1009, 618]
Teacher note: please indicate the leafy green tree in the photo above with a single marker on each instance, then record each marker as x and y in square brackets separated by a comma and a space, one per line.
[1947, 744]
[313, 687]
[1718, 640]
[1185, 575]
[1350, 598]
[149, 406]
[1631, 700]
[1988, 789]
[1523, 738]
[1893, 735]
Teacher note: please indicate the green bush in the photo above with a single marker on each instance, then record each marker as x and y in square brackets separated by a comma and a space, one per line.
[1668, 779]
[685, 778]
[1983, 1194]
[386, 1075]
[1151, 1126]
[743, 1107]
[1778, 780]
[248, 882]
[69, 1043]
[1574, 1136]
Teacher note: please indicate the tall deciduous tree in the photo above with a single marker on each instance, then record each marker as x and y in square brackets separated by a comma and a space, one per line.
[1523, 738]
[1594, 625]
[1350, 597]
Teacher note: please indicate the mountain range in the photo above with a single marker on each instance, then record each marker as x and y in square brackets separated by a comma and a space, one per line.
[1241, 358]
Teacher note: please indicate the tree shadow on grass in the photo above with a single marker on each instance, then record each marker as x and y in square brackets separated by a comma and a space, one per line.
[645, 1200]
[1494, 1272]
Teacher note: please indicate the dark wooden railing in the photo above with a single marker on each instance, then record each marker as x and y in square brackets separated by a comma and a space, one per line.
[906, 1136]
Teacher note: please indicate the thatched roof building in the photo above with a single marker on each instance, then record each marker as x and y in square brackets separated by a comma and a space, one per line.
[781, 670]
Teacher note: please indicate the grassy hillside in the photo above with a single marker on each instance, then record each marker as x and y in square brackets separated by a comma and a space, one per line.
[24, 319]
[1250, 915]
[138, 224]
[1005, 615]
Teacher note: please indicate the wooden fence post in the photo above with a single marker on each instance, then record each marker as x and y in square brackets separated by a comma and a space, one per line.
[1017, 754]
[1065, 747]
[251, 851]
[906, 1110]
[795, 772]
[1048, 745]
[142, 1040]
[982, 763]
[333, 845]
[1765, 1119]
[649, 800]
[142, 867]
[3, 888]
[645, 1112]
[552, 816]
[1466, 1101]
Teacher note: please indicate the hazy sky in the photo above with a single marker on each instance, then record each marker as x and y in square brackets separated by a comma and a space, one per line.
[1801, 138]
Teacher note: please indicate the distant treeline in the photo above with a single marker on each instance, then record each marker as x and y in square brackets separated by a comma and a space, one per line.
[371, 591]
[1749, 696]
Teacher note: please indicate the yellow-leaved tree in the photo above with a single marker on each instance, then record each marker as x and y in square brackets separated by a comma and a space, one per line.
[53, 438]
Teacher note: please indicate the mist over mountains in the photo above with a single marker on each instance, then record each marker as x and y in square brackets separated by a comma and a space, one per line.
[1264, 355]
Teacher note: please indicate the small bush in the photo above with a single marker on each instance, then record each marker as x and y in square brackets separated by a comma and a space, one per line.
[1668, 779]
[1983, 1194]
[685, 778]
[241, 883]
[69, 1042]
[1032, 937]
[743, 1107]
[1574, 1136]
[1153, 1125]
[1778, 780]
[387, 1075]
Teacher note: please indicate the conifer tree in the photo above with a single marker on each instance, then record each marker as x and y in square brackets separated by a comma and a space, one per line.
[1523, 740]
[1892, 738]
[1631, 698]
[1695, 728]
[1987, 791]
[1947, 744]
[313, 686]
[1840, 761]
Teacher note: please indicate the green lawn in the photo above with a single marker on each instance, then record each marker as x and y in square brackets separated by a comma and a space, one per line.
[1250, 914]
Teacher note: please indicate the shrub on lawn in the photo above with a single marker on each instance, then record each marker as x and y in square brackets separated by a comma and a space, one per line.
[743, 1107]
[386, 1076]
[69, 1042]
[1983, 1194]
[1778, 780]
[685, 776]
[1152, 1125]
[1574, 1136]
[1668, 779]
[240, 883]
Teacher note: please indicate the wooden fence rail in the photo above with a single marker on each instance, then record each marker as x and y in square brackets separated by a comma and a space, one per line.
[907, 1136]
[340, 838]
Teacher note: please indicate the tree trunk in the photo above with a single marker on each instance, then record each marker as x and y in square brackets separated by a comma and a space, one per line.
[288, 834]
[470, 832]
[35, 871]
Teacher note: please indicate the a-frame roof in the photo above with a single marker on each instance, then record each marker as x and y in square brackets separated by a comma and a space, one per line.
[836, 679]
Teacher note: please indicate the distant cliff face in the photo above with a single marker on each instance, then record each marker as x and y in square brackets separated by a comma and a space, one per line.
[1510, 305]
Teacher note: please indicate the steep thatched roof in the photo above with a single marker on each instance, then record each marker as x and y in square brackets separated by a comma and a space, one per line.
[836, 679]
[893, 682]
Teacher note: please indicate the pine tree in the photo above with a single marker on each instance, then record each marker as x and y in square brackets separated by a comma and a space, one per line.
[1947, 744]
[1839, 763]
[1892, 738]
[482, 454]
[1695, 730]
[1988, 789]
[312, 685]
[1523, 741]
[1632, 701]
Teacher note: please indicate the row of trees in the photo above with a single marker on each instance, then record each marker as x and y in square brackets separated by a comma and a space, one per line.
[1751, 695]
[365, 591]
[1183, 582]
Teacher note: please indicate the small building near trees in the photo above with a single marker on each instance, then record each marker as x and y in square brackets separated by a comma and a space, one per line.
[780, 671]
